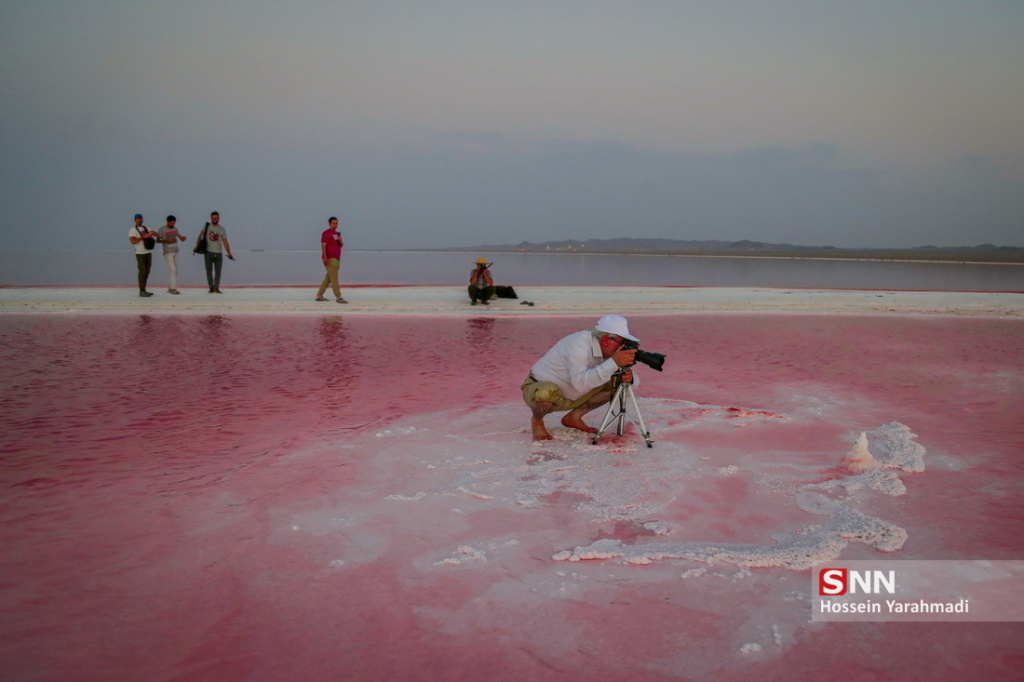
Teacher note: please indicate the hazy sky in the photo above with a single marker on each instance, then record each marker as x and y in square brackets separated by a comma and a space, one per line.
[425, 123]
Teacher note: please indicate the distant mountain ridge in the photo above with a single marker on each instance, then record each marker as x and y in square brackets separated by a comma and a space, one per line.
[747, 247]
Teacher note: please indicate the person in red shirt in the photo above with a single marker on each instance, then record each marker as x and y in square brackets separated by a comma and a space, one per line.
[330, 253]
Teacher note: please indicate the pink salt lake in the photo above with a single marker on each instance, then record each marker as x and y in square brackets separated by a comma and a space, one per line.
[313, 497]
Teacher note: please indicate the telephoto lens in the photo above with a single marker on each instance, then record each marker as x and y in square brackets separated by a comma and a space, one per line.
[655, 361]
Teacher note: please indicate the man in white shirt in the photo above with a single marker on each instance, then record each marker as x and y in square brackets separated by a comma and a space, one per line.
[144, 242]
[576, 375]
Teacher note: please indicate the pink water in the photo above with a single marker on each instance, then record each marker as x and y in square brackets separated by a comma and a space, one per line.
[325, 498]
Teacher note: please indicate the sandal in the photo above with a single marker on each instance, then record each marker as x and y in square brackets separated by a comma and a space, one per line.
[340, 300]
[320, 298]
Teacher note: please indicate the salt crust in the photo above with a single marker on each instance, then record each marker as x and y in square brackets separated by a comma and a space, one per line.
[641, 493]
[454, 470]
[805, 547]
[468, 554]
[888, 447]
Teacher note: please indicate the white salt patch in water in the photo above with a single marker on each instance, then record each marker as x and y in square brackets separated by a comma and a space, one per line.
[805, 547]
[796, 550]
[886, 482]
[473, 493]
[620, 480]
[463, 555]
[468, 554]
[398, 431]
[894, 448]
[462, 482]
[658, 527]
[411, 498]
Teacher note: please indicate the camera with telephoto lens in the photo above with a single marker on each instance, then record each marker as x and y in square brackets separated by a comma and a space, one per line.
[655, 361]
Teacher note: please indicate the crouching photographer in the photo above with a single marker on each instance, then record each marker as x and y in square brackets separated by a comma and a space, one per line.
[580, 373]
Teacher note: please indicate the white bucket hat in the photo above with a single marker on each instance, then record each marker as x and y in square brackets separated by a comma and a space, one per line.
[615, 324]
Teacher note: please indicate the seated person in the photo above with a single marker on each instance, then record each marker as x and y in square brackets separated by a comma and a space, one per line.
[576, 375]
[481, 285]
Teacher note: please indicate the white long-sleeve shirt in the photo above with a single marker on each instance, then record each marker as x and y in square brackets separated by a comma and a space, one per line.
[575, 365]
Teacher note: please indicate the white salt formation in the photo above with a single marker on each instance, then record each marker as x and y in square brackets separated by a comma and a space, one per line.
[895, 449]
[804, 547]
[859, 458]
[661, 500]
[720, 520]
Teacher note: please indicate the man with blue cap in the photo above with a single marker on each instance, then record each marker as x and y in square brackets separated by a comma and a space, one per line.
[144, 242]
[576, 375]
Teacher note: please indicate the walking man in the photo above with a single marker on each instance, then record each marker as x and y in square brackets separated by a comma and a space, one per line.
[330, 253]
[216, 246]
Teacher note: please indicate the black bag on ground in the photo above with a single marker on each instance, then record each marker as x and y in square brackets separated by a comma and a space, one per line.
[505, 292]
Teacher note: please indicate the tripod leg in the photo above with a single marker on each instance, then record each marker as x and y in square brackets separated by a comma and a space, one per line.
[640, 420]
[609, 414]
[620, 428]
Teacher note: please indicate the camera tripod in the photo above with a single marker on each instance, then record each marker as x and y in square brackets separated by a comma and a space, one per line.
[617, 411]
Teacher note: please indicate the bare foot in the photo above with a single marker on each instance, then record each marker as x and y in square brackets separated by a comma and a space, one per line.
[540, 432]
[576, 422]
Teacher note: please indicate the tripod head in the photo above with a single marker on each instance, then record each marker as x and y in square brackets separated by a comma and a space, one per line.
[620, 376]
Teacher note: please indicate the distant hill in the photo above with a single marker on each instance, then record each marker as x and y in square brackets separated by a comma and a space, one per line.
[713, 247]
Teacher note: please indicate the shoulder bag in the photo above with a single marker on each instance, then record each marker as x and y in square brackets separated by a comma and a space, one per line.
[148, 242]
[201, 244]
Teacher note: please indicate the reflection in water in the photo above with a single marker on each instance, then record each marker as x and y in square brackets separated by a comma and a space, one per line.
[481, 337]
[333, 336]
[333, 358]
[214, 327]
[479, 331]
[214, 360]
[156, 349]
[143, 333]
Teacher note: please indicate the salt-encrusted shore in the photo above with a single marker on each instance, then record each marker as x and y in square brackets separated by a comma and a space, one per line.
[451, 300]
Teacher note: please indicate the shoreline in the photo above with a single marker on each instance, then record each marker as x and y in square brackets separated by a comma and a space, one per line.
[865, 255]
[865, 258]
[451, 300]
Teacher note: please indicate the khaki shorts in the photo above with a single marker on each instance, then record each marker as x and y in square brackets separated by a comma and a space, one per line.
[547, 392]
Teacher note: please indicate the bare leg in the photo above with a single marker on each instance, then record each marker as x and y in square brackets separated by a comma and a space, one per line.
[540, 432]
[574, 418]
